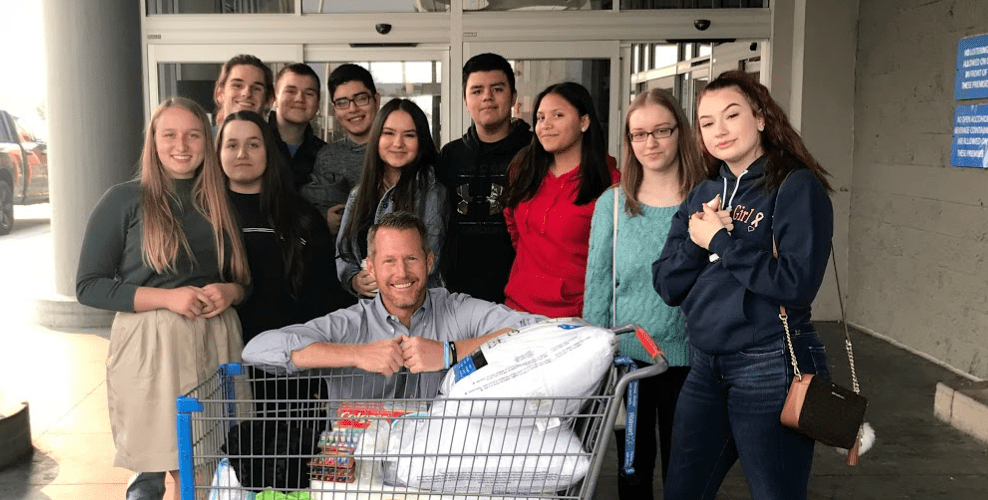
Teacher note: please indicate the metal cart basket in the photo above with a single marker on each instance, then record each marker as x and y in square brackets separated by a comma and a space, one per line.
[244, 431]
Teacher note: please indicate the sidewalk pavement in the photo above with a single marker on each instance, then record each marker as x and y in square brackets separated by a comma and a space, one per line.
[61, 373]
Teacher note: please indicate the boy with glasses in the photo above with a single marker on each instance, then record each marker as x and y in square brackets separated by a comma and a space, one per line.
[337, 168]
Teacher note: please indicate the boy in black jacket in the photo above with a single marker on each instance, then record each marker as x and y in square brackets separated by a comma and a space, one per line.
[474, 169]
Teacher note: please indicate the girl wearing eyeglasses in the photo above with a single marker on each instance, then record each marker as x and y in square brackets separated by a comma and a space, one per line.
[661, 165]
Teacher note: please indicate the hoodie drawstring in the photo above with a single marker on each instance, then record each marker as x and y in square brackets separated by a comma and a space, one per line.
[737, 182]
[730, 202]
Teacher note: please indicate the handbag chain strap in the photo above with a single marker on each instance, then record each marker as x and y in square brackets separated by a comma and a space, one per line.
[785, 323]
[847, 335]
[843, 318]
[792, 354]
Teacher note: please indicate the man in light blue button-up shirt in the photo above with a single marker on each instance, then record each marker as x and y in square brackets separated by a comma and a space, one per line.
[405, 326]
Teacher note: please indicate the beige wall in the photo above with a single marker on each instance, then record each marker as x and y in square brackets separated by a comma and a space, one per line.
[917, 229]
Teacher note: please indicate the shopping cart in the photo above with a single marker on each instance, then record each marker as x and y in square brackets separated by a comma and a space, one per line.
[232, 444]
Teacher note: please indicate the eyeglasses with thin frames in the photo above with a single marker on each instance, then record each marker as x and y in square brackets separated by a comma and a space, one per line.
[659, 133]
[360, 99]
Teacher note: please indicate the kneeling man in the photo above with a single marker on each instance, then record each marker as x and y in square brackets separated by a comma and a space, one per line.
[405, 326]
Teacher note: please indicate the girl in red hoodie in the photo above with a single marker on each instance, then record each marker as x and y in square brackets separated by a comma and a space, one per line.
[555, 182]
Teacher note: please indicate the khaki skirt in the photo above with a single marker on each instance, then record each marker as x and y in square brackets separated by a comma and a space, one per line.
[154, 357]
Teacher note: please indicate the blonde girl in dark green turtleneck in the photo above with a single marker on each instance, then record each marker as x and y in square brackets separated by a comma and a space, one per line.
[165, 252]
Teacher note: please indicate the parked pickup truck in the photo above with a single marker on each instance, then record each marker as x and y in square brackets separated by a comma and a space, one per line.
[23, 169]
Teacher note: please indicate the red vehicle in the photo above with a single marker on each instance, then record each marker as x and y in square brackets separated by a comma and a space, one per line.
[23, 169]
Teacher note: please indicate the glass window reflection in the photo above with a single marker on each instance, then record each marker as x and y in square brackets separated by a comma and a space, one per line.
[415, 80]
[692, 4]
[685, 68]
[364, 6]
[155, 7]
[534, 75]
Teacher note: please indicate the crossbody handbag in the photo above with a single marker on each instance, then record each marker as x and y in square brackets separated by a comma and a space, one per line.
[821, 409]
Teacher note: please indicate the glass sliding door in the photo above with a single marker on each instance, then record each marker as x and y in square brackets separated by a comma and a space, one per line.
[412, 73]
[191, 71]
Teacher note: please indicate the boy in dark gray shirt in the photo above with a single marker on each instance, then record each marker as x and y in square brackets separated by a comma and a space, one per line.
[338, 165]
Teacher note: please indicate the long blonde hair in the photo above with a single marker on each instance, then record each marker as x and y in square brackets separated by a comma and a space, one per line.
[691, 169]
[162, 234]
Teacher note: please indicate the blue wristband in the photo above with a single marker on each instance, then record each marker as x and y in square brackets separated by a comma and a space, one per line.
[445, 355]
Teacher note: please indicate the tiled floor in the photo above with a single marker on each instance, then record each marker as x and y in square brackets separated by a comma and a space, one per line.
[69, 424]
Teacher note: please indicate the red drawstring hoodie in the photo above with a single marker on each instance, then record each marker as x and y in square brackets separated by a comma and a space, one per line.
[551, 236]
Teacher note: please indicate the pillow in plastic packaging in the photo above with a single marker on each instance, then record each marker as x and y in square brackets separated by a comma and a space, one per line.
[483, 456]
[544, 363]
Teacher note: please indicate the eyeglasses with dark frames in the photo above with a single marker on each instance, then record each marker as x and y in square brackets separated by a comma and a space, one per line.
[360, 99]
[659, 133]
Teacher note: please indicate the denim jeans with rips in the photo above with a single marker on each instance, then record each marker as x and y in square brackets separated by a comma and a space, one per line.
[729, 408]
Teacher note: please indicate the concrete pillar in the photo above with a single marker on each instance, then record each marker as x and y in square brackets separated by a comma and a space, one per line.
[780, 65]
[812, 78]
[96, 114]
[826, 121]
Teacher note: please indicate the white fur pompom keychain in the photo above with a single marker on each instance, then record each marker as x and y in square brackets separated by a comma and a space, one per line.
[866, 438]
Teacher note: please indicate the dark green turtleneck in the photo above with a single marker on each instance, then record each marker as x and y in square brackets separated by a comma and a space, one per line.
[111, 267]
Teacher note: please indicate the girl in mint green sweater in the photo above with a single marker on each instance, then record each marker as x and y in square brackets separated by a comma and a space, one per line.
[661, 166]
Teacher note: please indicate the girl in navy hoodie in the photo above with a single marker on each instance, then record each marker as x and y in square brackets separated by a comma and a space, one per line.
[764, 189]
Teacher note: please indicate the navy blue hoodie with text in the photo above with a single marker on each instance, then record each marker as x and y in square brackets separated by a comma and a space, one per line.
[732, 304]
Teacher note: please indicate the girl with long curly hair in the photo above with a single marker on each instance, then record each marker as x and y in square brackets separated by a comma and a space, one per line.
[754, 237]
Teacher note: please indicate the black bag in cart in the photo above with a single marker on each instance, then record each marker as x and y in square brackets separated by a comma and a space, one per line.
[260, 453]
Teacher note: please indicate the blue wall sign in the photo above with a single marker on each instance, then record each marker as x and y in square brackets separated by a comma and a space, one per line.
[970, 146]
[971, 80]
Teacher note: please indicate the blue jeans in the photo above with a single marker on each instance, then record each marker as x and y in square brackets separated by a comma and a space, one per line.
[729, 408]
